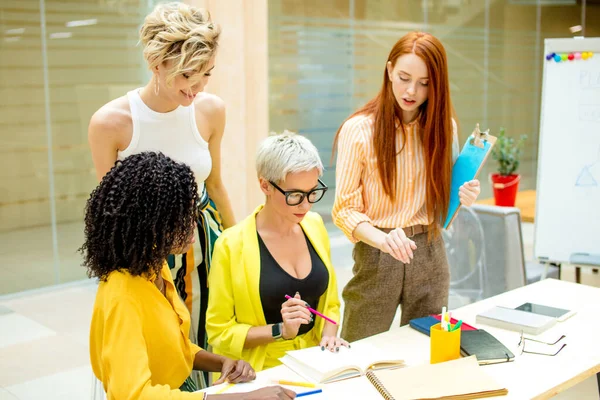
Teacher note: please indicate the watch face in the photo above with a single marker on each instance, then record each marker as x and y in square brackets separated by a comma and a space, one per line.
[276, 331]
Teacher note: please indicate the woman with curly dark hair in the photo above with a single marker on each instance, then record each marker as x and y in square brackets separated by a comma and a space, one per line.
[143, 210]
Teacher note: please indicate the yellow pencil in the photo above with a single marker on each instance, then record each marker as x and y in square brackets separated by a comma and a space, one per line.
[227, 387]
[290, 383]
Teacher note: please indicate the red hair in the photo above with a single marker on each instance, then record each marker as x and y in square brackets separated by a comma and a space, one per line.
[435, 124]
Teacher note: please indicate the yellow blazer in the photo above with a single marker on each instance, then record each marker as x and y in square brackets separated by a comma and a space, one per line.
[234, 304]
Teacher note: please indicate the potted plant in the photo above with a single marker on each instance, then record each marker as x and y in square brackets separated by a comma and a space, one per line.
[505, 183]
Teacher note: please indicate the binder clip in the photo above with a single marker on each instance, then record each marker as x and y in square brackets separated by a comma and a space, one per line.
[478, 137]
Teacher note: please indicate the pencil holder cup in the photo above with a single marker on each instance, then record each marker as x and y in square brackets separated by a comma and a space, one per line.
[445, 346]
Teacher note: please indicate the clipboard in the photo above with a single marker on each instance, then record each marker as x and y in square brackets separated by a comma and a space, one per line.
[469, 163]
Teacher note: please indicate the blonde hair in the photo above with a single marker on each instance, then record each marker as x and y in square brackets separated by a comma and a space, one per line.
[285, 153]
[181, 34]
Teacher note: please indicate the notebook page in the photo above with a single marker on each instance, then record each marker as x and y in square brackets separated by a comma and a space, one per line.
[361, 355]
[324, 361]
[452, 378]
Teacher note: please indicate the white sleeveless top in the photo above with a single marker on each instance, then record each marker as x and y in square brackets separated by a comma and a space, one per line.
[174, 134]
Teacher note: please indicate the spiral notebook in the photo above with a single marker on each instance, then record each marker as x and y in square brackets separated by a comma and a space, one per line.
[452, 380]
[471, 159]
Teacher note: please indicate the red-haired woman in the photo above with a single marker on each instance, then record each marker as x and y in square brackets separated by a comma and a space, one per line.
[394, 164]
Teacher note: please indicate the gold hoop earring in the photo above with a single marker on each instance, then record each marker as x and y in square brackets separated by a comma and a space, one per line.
[156, 87]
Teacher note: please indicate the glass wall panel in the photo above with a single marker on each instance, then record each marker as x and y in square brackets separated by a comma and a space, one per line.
[327, 58]
[48, 92]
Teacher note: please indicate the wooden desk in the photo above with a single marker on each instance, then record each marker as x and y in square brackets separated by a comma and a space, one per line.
[525, 202]
[530, 376]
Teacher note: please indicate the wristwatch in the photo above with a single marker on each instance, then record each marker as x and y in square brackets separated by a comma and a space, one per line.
[277, 331]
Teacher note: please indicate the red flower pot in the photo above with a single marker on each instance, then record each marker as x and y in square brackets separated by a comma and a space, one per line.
[505, 189]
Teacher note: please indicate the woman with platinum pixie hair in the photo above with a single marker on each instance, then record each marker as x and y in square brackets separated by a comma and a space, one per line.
[281, 248]
[173, 115]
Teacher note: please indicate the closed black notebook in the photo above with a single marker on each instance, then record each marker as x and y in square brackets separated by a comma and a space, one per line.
[485, 347]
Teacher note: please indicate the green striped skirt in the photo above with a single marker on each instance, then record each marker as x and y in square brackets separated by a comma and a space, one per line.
[189, 385]
[190, 272]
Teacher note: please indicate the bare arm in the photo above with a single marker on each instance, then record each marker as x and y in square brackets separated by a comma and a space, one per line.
[267, 393]
[329, 329]
[206, 361]
[258, 336]
[372, 236]
[214, 184]
[109, 131]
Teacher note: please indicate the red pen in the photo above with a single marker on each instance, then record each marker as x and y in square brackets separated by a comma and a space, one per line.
[312, 310]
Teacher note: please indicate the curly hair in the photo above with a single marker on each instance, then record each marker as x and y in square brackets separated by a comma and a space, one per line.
[181, 34]
[143, 210]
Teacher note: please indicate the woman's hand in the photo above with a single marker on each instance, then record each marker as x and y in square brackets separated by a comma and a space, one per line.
[269, 393]
[333, 343]
[398, 245]
[294, 313]
[234, 371]
[468, 192]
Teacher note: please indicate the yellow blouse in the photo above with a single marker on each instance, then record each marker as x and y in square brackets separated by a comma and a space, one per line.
[234, 304]
[139, 344]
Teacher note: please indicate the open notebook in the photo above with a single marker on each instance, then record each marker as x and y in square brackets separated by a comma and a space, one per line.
[321, 366]
[457, 379]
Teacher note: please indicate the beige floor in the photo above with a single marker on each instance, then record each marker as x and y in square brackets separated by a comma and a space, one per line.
[28, 262]
[44, 335]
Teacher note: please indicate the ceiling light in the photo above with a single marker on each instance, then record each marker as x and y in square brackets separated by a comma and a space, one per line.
[82, 22]
[60, 35]
[17, 31]
[576, 28]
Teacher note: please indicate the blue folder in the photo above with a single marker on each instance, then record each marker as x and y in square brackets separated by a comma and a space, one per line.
[424, 324]
[466, 168]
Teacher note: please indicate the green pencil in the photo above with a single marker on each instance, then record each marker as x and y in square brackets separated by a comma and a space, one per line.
[457, 326]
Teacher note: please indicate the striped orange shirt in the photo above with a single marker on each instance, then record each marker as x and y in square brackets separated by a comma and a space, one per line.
[359, 194]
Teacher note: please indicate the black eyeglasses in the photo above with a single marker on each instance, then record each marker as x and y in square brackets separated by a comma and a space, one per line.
[522, 345]
[296, 197]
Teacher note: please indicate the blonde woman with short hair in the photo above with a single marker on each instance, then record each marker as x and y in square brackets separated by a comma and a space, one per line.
[173, 115]
[281, 249]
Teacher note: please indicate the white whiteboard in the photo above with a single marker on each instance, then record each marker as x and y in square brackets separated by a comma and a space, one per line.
[567, 218]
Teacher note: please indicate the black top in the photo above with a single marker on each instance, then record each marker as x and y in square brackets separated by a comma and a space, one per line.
[275, 283]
